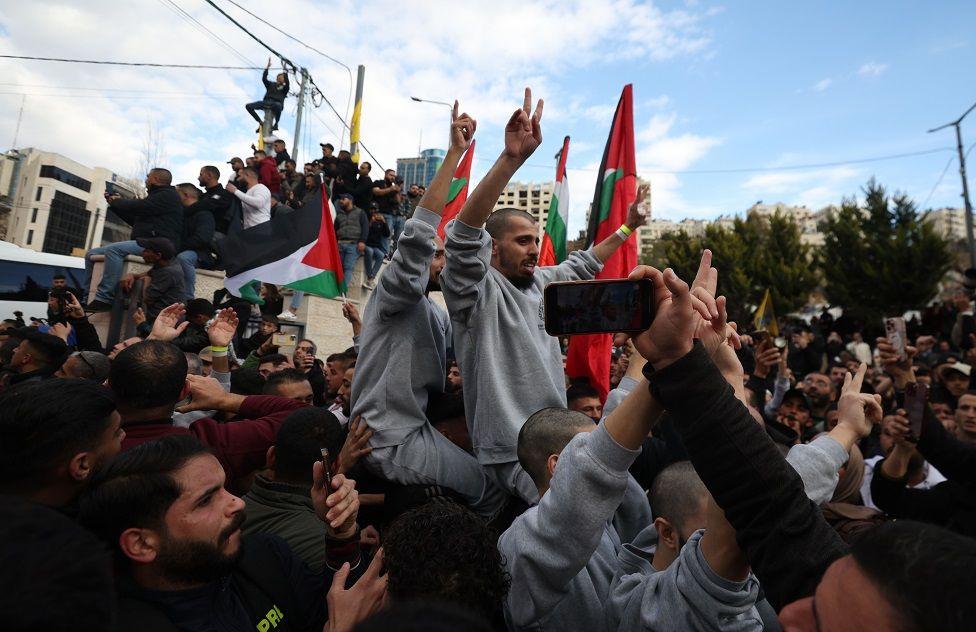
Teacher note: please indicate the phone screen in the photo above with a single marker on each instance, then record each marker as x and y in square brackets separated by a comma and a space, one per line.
[897, 335]
[585, 307]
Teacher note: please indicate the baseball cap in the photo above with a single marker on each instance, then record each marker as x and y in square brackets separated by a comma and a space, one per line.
[161, 245]
[797, 394]
[343, 195]
[234, 159]
[965, 369]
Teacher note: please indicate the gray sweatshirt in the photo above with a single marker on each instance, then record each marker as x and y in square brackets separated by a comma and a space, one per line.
[818, 463]
[687, 595]
[562, 553]
[511, 366]
[403, 343]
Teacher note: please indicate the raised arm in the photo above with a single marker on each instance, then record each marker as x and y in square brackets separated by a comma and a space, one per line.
[605, 249]
[523, 134]
[462, 132]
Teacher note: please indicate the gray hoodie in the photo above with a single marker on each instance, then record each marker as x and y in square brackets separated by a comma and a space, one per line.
[511, 366]
[687, 595]
[562, 553]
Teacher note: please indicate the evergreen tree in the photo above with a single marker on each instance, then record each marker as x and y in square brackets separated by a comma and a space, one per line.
[881, 259]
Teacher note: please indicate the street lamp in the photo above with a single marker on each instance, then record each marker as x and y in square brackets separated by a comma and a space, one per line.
[419, 100]
[965, 189]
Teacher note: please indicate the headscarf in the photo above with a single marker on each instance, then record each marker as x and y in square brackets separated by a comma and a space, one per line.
[846, 501]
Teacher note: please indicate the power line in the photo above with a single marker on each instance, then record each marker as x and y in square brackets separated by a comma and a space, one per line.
[180, 12]
[253, 36]
[129, 63]
[100, 89]
[937, 182]
[125, 96]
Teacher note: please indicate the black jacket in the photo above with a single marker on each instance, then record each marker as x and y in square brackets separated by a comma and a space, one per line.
[782, 533]
[217, 200]
[159, 214]
[193, 339]
[198, 232]
[273, 91]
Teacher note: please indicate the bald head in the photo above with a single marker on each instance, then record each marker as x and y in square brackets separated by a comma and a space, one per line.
[161, 177]
[544, 434]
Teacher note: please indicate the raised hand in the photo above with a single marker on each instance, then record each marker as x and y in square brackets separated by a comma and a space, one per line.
[523, 132]
[206, 393]
[636, 219]
[356, 445]
[900, 368]
[72, 308]
[767, 356]
[675, 317]
[167, 325]
[858, 410]
[462, 129]
[223, 327]
[337, 505]
[348, 607]
[61, 330]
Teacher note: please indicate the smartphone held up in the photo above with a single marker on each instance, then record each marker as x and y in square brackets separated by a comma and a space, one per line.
[595, 307]
[897, 335]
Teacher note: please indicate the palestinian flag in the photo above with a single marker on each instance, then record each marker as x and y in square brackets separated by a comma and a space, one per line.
[616, 190]
[459, 190]
[297, 250]
[553, 249]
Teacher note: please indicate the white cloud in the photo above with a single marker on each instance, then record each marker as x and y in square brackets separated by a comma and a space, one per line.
[814, 188]
[822, 85]
[872, 69]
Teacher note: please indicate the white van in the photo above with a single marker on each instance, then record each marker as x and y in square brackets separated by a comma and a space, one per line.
[26, 279]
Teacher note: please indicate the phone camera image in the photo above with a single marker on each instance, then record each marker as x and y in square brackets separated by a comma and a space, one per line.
[597, 307]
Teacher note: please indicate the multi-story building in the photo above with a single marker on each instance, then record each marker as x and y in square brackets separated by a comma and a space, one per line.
[420, 170]
[532, 197]
[807, 220]
[948, 222]
[58, 205]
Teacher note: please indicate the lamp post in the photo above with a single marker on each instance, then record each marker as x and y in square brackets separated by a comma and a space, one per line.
[965, 187]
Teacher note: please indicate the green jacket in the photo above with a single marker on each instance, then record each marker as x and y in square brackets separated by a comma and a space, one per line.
[286, 510]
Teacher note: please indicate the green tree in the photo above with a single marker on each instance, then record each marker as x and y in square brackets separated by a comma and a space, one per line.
[755, 254]
[880, 258]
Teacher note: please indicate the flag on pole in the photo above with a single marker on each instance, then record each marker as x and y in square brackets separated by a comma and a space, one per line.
[298, 250]
[765, 318]
[553, 249]
[459, 190]
[616, 190]
[357, 112]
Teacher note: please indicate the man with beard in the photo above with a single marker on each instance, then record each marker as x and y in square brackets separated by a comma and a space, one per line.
[821, 392]
[56, 433]
[176, 533]
[343, 403]
[965, 417]
[403, 355]
[511, 366]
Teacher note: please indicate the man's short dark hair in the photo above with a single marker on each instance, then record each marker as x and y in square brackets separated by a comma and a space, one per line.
[365, 163]
[92, 365]
[442, 551]
[920, 569]
[315, 347]
[270, 318]
[273, 358]
[148, 374]
[199, 307]
[44, 424]
[246, 382]
[677, 493]
[300, 440]
[423, 616]
[291, 162]
[47, 349]
[287, 376]
[190, 189]
[59, 277]
[581, 391]
[164, 176]
[346, 359]
[260, 151]
[544, 433]
[213, 171]
[137, 488]
[498, 221]
[250, 170]
[59, 576]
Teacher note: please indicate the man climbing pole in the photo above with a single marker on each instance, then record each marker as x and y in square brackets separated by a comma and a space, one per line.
[274, 98]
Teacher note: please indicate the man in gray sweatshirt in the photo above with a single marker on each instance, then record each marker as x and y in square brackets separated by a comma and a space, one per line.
[403, 356]
[493, 290]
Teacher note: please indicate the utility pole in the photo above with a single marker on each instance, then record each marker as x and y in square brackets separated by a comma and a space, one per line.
[20, 115]
[298, 116]
[965, 186]
[357, 112]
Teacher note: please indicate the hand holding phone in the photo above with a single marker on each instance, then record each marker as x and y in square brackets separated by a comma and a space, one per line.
[897, 335]
[916, 399]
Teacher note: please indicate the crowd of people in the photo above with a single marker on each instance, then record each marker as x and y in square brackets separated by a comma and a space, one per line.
[443, 472]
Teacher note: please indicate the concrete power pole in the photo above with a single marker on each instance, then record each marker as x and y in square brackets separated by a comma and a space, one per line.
[965, 186]
[357, 114]
[298, 117]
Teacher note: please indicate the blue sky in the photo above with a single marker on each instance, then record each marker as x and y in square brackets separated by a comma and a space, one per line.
[717, 86]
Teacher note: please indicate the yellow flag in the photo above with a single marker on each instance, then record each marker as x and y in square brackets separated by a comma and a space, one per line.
[765, 318]
[354, 131]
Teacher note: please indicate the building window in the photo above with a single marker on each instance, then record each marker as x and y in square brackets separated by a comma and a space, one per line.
[33, 216]
[30, 237]
[59, 174]
[67, 224]
[37, 196]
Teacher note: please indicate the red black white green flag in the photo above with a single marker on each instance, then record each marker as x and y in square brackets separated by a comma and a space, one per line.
[616, 189]
[458, 192]
[553, 250]
[298, 250]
